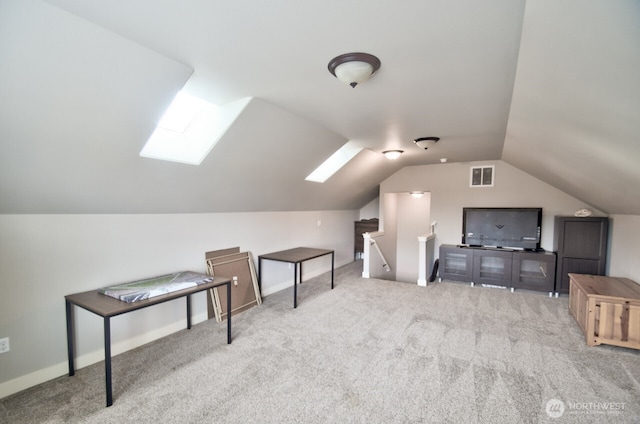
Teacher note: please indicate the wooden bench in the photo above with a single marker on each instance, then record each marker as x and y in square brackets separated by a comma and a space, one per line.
[607, 309]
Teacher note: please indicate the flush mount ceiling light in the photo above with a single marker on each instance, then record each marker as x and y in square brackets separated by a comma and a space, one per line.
[392, 154]
[426, 142]
[417, 194]
[354, 68]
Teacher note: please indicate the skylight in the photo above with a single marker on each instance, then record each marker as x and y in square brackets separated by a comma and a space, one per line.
[334, 163]
[190, 128]
[183, 110]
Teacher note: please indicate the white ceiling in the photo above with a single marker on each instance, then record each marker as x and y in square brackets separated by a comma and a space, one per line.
[575, 114]
[552, 89]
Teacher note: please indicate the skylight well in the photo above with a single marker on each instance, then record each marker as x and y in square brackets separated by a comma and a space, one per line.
[336, 161]
[183, 110]
[190, 128]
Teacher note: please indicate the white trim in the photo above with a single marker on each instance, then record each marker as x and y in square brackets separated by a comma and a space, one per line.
[366, 254]
[279, 287]
[54, 371]
[422, 258]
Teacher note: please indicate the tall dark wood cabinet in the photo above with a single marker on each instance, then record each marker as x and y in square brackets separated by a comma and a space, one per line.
[581, 245]
[361, 227]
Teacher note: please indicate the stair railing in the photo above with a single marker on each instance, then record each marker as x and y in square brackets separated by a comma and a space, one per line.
[369, 240]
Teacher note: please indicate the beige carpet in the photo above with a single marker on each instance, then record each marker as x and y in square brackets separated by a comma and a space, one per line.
[369, 351]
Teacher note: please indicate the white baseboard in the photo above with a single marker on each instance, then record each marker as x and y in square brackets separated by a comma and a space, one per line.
[287, 284]
[37, 377]
[40, 376]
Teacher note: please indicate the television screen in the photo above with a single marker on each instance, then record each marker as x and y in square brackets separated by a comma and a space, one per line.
[517, 228]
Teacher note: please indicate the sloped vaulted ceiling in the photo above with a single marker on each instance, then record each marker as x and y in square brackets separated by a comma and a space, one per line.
[84, 82]
[575, 115]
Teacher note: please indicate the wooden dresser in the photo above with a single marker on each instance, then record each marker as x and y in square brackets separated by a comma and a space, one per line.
[607, 309]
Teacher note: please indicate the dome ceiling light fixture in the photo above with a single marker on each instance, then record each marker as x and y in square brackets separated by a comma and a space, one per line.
[354, 68]
[392, 154]
[426, 142]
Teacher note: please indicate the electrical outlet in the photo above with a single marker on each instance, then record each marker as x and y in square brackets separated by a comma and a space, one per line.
[4, 345]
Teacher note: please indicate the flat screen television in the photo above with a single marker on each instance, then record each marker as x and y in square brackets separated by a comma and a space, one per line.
[516, 228]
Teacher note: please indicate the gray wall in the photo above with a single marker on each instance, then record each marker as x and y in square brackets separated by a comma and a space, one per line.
[413, 221]
[624, 247]
[450, 192]
[370, 210]
[407, 218]
[45, 257]
[448, 185]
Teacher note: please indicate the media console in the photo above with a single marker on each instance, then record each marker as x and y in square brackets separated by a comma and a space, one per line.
[514, 269]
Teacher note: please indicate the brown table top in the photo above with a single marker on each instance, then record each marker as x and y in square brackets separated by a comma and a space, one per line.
[296, 255]
[612, 287]
[107, 306]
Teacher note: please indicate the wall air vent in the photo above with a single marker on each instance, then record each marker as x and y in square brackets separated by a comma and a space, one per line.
[482, 176]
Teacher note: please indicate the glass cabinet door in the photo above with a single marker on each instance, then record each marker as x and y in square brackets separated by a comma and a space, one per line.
[534, 271]
[492, 267]
[455, 263]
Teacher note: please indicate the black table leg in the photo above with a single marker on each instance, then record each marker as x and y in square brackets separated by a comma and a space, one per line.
[188, 312]
[107, 359]
[295, 285]
[229, 312]
[70, 336]
[260, 275]
[332, 263]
